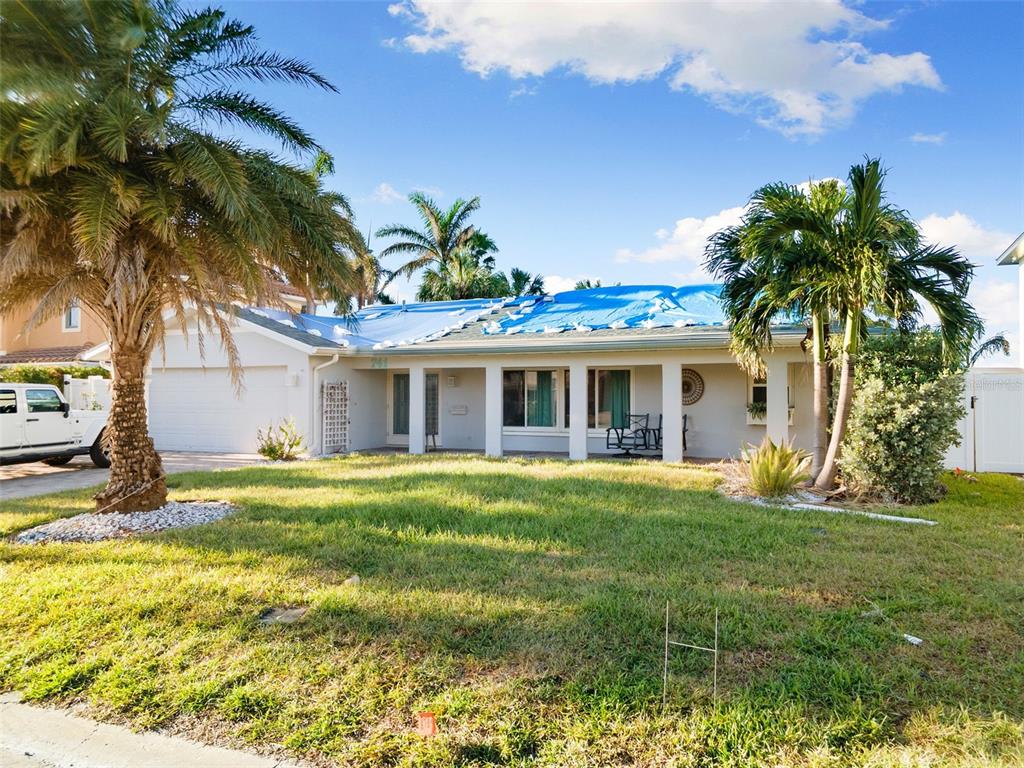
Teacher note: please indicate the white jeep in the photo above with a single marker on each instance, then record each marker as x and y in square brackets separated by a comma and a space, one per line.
[38, 424]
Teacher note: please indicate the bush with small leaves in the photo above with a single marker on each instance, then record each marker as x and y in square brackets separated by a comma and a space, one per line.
[898, 435]
[774, 470]
[281, 443]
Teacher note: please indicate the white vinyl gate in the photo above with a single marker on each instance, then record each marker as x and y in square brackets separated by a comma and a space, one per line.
[335, 416]
[993, 432]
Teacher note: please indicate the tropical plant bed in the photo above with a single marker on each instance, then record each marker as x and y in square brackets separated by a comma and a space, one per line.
[522, 602]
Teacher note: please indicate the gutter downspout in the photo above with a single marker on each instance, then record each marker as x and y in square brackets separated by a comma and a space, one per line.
[314, 401]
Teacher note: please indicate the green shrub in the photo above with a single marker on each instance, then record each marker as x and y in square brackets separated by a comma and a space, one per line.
[49, 374]
[775, 470]
[899, 433]
[282, 443]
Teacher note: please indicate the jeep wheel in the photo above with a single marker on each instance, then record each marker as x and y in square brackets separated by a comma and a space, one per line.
[58, 461]
[100, 451]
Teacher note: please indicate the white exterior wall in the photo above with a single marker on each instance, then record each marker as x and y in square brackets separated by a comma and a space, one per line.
[193, 404]
[992, 432]
[717, 422]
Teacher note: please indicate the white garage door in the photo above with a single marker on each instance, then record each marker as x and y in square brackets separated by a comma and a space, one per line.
[192, 409]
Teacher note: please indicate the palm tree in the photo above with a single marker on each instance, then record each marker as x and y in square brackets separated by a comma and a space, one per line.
[462, 276]
[118, 194]
[370, 275]
[519, 282]
[766, 270]
[583, 285]
[852, 255]
[443, 235]
[989, 346]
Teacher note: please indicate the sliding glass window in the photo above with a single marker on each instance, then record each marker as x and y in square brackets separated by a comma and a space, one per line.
[530, 398]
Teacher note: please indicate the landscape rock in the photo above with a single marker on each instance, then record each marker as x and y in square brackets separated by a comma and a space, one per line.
[91, 526]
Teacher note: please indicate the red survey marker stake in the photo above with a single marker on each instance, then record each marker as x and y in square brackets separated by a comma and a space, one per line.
[426, 724]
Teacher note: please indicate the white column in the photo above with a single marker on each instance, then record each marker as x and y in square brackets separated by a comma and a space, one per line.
[777, 419]
[672, 411]
[578, 411]
[492, 409]
[417, 409]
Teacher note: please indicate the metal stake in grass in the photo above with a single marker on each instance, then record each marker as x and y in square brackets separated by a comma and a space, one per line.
[713, 651]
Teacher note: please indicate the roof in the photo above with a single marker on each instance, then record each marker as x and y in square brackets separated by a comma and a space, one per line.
[45, 355]
[606, 317]
[1015, 253]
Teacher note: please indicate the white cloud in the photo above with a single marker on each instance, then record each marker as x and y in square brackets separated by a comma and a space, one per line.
[385, 193]
[929, 138]
[970, 238]
[684, 244]
[795, 67]
[994, 298]
[558, 283]
[522, 90]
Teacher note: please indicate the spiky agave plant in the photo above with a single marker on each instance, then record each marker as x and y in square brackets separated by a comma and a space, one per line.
[774, 469]
[118, 191]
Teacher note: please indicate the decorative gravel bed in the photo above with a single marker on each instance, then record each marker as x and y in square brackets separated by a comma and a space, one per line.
[117, 525]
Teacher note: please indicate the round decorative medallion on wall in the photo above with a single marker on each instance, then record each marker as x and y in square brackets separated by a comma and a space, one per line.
[693, 386]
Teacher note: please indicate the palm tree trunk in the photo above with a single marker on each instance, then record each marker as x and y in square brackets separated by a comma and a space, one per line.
[826, 479]
[820, 394]
[136, 473]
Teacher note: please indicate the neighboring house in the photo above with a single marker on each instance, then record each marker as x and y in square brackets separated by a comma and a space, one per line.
[67, 338]
[544, 374]
[62, 339]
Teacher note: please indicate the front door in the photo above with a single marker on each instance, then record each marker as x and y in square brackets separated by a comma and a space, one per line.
[398, 409]
[45, 423]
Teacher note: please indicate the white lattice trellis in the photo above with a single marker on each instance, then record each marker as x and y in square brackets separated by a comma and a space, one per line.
[334, 396]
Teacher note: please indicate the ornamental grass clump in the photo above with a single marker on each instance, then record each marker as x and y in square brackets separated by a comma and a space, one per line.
[775, 470]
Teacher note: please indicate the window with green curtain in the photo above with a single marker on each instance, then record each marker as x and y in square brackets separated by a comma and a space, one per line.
[400, 404]
[614, 397]
[540, 399]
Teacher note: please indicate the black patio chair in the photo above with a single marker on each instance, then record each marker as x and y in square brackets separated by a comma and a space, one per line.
[632, 437]
[654, 434]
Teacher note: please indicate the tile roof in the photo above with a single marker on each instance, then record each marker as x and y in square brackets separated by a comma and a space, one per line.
[45, 355]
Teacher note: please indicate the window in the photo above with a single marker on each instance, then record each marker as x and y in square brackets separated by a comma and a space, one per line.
[609, 398]
[72, 316]
[400, 404]
[43, 401]
[8, 401]
[759, 393]
[530, 398]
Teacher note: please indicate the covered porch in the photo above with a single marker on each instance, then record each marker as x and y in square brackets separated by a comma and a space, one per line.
[564, 404]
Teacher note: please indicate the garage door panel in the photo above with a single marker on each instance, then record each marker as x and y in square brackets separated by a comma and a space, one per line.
[195, 409]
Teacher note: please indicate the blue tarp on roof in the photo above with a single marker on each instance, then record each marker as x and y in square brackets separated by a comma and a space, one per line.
[619, 306]
[615, 307]
[388, 325]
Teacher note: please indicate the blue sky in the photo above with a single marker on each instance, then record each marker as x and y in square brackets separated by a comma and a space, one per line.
[608, 141]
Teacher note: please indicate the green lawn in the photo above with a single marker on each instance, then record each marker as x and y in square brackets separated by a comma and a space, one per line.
[523, 601]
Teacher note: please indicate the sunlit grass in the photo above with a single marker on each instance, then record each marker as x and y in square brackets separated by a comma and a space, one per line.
[523, 602]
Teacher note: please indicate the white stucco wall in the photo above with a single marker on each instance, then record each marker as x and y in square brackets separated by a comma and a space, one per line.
[717, 423]
[193, 404]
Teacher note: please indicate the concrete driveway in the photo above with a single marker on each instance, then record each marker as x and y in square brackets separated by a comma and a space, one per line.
[19, 481]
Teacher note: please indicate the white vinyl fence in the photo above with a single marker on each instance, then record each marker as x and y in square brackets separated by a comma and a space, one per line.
[92, 393]
[993, 431]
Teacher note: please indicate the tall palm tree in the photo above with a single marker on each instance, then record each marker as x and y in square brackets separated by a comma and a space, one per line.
[518, 282]
[117, 191]
[853, 256]
[767, 271]
[443, 235]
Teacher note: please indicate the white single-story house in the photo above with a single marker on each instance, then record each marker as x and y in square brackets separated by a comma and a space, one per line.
[526, 374]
